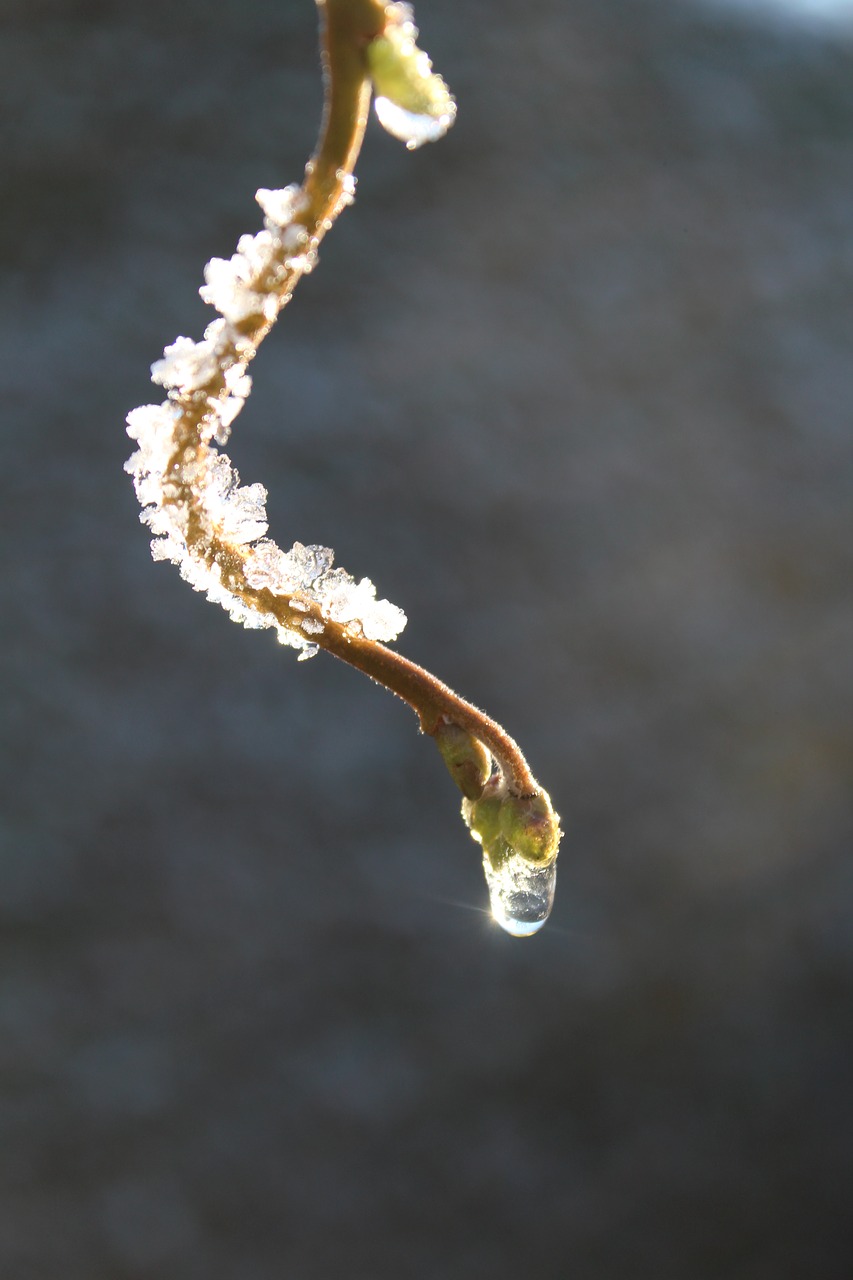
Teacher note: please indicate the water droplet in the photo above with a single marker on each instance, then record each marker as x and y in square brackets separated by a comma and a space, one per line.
[521, 893]
[413, 127]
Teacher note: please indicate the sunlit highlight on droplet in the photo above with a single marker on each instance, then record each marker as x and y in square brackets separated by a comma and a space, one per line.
[521, 894]
[412, 127]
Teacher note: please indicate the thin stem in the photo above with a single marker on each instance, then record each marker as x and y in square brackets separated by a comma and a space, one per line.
[433, 701]
[348, 27]
[430, 698]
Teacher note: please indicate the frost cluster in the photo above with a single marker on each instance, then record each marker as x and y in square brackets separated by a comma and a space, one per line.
[234, 514]
[186, 365]
[246, 284]
[231, 282]
[152, 426]
[308, 571]
[281, 207]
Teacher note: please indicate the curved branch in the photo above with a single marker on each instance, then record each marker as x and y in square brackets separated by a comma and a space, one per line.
[212, 528]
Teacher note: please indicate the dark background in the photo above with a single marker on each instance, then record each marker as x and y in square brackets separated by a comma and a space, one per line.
[574, 388]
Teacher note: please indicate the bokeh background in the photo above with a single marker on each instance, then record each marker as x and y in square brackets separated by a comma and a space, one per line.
[574, 388]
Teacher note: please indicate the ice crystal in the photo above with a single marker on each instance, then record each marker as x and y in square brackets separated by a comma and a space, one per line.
[308, 570]
[223, 410]
[310, 563]
[348, 185]
[283, 206]
[246, 284]
[223, 413]
[382, 620]
[238, 381]
[186, 365]
[229, 284]
[244, 515]
[153, 427]
[344, 600]
[268, 568]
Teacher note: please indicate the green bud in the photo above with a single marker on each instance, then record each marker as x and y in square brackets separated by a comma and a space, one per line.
[412, 101]
[466, 758]
[531, 827]
[483, 815]
[505, 824]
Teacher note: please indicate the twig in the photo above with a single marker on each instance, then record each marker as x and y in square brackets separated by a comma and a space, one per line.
[210, 527]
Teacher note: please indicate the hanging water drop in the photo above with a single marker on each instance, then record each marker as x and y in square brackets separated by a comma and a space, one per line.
[520, 835]
[521, 892]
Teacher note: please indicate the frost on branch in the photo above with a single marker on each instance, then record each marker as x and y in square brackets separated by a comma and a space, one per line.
[186, 365]
[282, 207]
[213, 528]
[246, 284]
[202, 518]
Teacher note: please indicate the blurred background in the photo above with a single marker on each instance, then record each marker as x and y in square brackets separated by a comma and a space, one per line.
[573, 387]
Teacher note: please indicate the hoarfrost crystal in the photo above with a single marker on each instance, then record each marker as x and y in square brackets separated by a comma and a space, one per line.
[153, 427]
[186, 365]
[243, 516]
[282, 206]
[238, 381]
[229, 283]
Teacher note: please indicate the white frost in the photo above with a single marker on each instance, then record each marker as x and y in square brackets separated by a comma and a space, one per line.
[348, 183]
[229, 283]
[218, 506]
[238, 381]
[186, 365]
[269, 568]
[243, 515]
[153, 427]
[344, 600]
[313, 626]
[283, 206]
[383, 621]
[225, 411]
[308, 570]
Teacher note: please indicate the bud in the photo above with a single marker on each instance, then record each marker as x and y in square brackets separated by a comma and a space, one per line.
[504, 824]
[466, 758]
[531, 827]
[519, 836]
[412, 102]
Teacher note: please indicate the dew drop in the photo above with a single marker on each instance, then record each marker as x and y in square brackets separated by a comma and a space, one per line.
[413, 127]
[521, 894]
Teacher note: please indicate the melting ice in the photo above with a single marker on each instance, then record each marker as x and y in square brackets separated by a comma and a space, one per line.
[521, 893]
